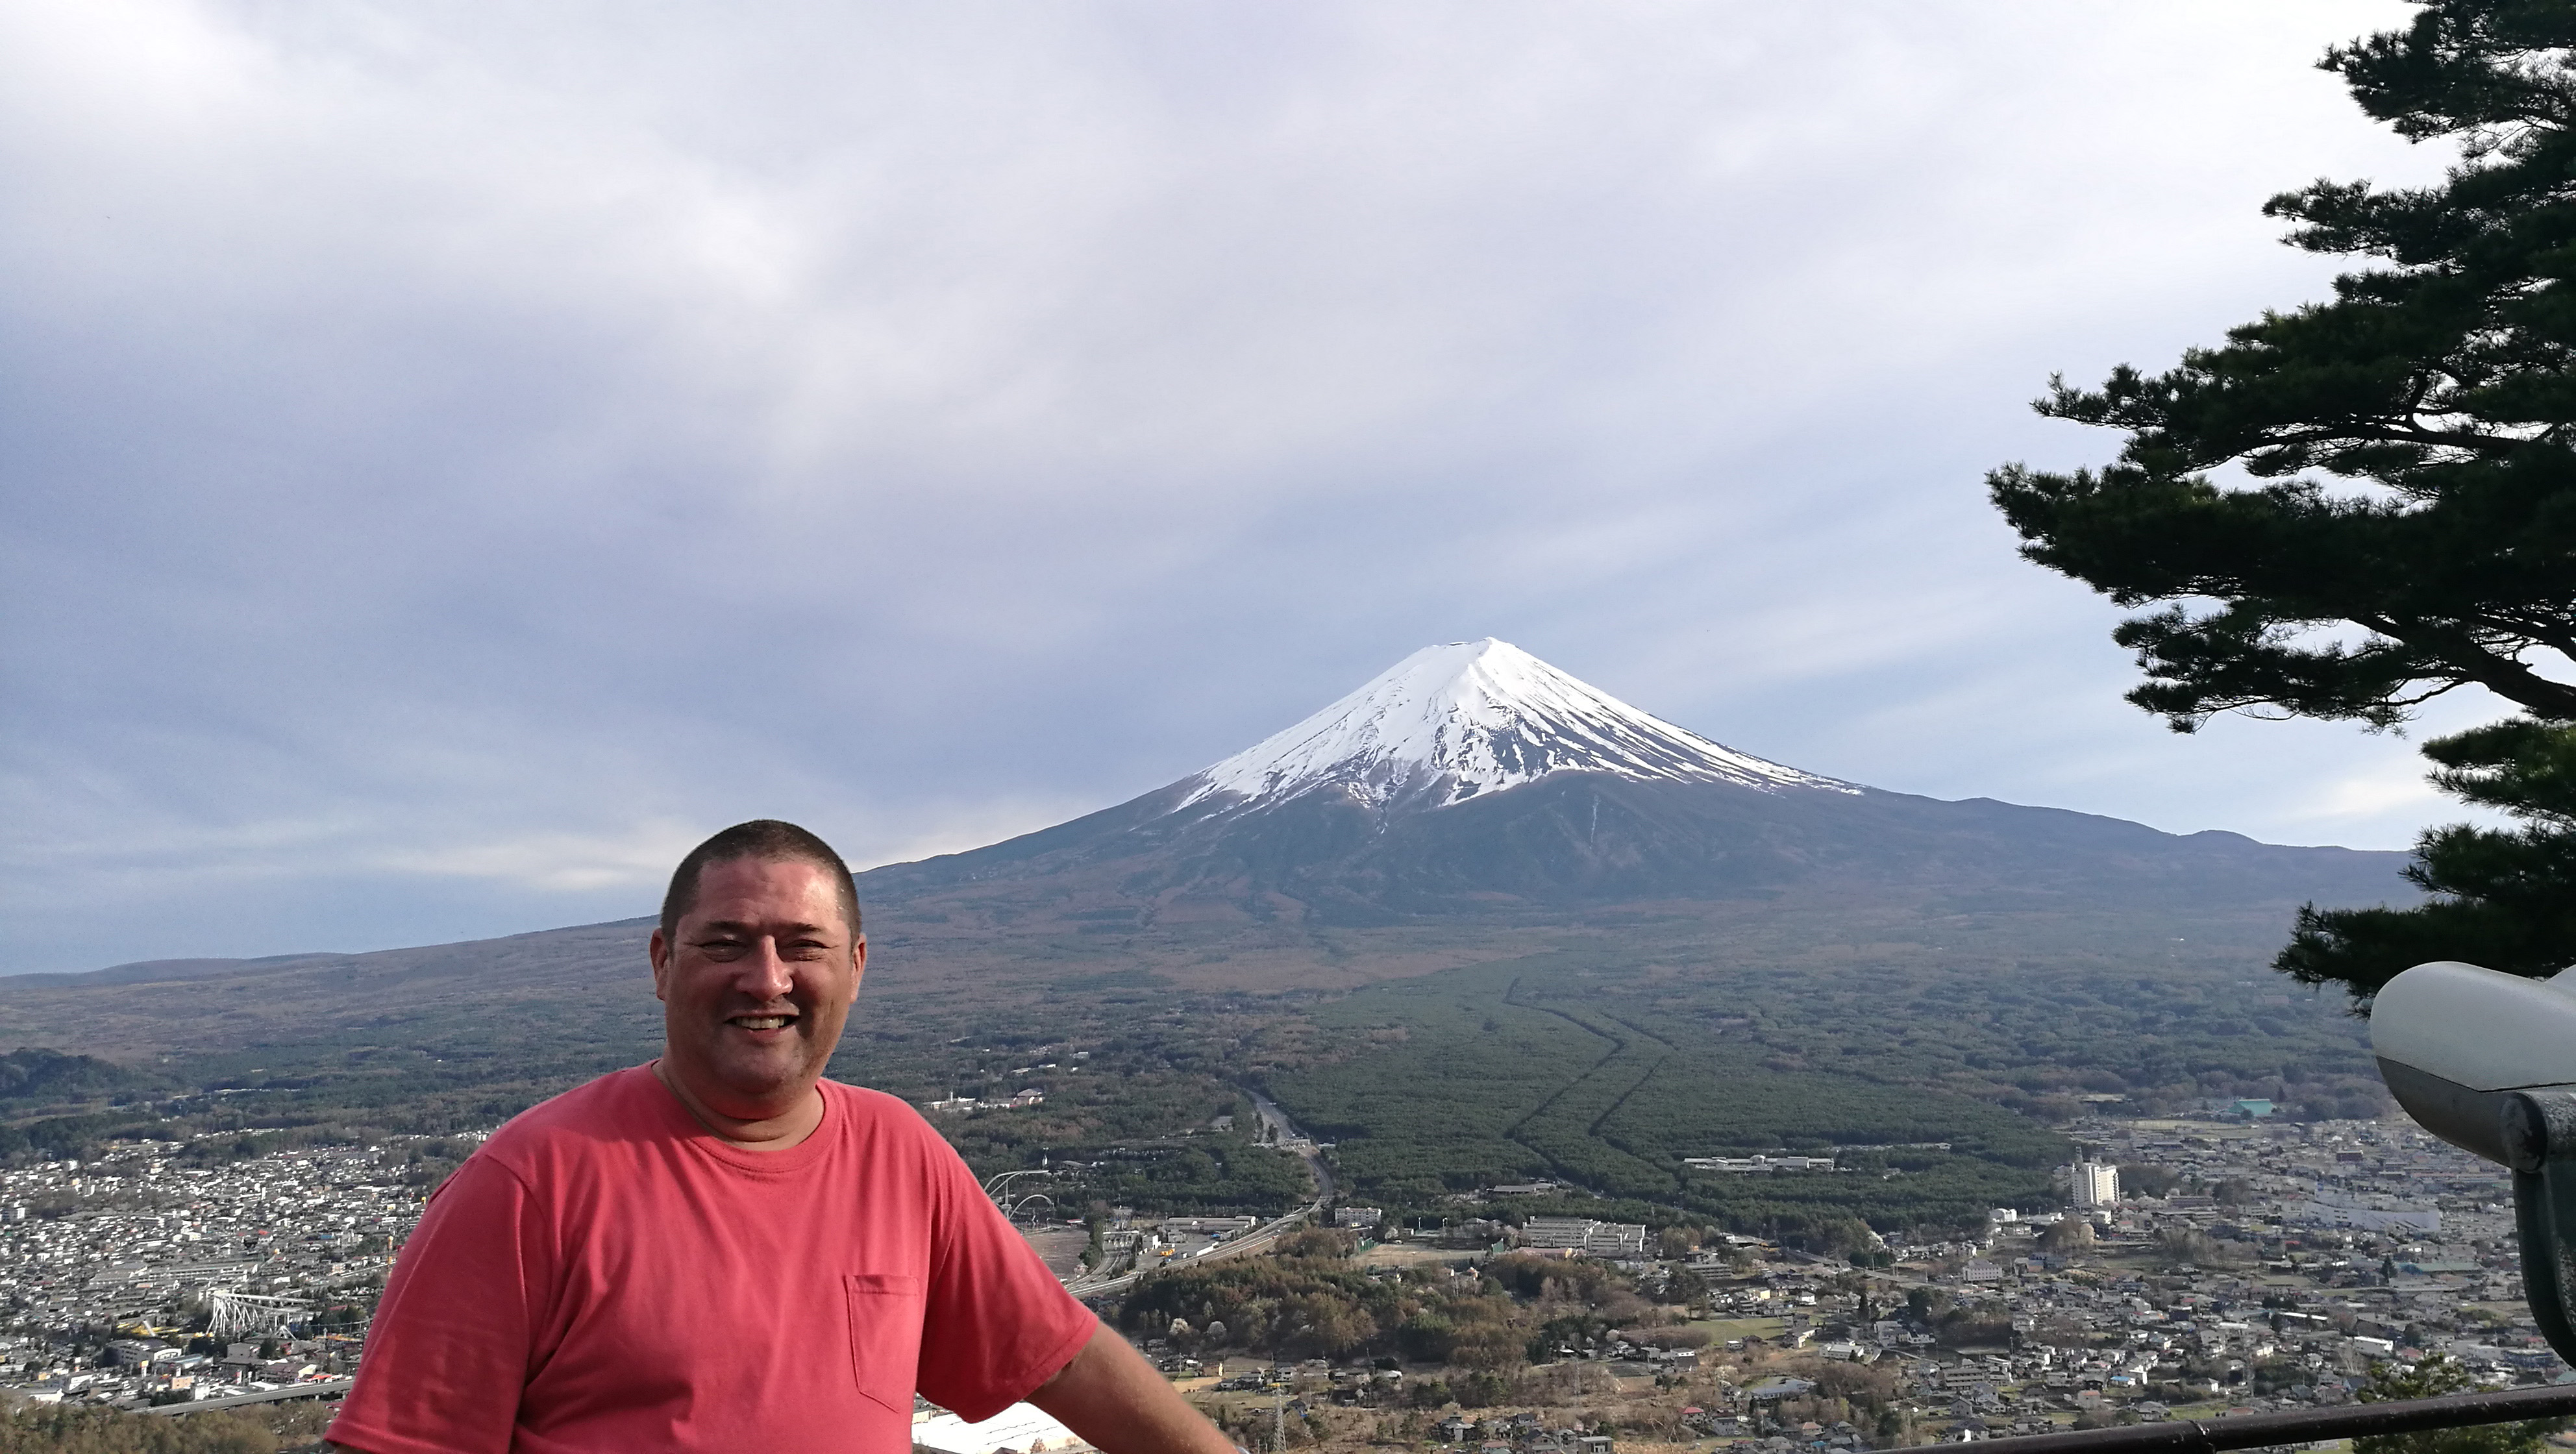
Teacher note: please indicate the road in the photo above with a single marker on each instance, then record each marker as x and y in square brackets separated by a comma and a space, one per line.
[320, 1388]
[1285, 1135]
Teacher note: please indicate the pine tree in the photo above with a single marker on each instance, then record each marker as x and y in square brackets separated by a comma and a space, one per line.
[2408, 524]
[2432, 1378]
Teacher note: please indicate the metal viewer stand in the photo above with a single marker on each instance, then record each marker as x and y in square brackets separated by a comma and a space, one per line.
[2487, 1061]
[2539, 1136]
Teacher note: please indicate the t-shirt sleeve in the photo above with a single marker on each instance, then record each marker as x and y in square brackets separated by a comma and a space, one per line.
[450, 1346]
[997, 1324]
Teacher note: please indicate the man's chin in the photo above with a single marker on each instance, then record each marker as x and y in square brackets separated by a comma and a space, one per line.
[765, 1078]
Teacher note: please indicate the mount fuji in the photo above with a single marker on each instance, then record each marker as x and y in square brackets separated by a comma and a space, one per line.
[1472, 809]
[1450, 722]
[1473, 779]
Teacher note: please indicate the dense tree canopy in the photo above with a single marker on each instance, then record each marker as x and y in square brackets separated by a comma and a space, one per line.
[2357, 506]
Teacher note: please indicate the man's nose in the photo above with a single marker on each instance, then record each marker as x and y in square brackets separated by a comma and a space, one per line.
[766, 974]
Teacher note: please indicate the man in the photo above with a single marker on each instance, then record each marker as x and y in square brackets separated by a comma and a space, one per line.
[721, 1250]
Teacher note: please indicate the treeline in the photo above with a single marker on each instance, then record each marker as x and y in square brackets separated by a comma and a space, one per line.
[1208, 1175]
[60, 1136]
[2171, 1032]
[1308, 1301]
[299, 1096]
[32, 1074]
[56, 1429]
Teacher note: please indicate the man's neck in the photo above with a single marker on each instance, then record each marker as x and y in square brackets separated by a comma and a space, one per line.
[776, 1132]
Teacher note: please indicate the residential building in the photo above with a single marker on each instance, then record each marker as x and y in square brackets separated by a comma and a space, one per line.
[2096, 1184]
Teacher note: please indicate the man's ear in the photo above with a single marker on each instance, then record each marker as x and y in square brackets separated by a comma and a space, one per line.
[658, 949]
[859, 958]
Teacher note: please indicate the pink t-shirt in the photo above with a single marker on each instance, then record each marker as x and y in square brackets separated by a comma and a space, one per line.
[603, 1275]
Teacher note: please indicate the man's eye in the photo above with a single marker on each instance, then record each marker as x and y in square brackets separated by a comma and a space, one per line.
[721, 948]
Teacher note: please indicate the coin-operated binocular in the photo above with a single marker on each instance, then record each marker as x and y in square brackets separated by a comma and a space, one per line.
[2487, 1062]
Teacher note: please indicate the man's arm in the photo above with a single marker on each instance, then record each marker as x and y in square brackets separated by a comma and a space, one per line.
[448, 1351]
[1118, 1403]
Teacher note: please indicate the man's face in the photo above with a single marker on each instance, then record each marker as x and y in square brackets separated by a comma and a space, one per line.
[756, 984]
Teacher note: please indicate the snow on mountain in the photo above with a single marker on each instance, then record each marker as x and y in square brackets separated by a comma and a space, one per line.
[1450, 722]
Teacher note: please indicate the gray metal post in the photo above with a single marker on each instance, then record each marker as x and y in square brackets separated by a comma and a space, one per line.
[2538, 1132]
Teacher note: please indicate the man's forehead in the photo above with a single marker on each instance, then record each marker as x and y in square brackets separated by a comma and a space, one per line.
[763, 889]
[721, 920]
[755, 874]
[784, 894]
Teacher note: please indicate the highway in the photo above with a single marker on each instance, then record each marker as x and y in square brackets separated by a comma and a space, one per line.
[1285, 1135]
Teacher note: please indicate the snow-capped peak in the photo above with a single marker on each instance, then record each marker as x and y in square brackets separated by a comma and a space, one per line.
[1473, 717]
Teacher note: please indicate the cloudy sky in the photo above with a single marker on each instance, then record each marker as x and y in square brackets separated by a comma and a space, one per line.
[455, 456]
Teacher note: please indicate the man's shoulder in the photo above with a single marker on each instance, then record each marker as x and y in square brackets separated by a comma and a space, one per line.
[874, 1102]
[875, 1111]
[880, 1127]
[617, 1105]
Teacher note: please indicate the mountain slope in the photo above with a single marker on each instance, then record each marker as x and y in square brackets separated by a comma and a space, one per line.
[1473, 779]
[1351, 850]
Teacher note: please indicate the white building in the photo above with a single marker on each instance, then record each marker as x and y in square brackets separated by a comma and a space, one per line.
[1581, 1234]
[1745, 1165]
[2096, 1184]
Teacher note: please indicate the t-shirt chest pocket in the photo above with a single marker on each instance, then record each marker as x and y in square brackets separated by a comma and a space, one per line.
[885, 1335]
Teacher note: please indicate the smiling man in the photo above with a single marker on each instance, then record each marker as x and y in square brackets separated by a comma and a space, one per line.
[721, 1250]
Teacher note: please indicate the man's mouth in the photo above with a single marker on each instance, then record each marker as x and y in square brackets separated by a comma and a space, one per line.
[760, 1022]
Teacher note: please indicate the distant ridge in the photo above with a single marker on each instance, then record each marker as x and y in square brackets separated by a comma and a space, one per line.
[155, 971]
[1473, 779]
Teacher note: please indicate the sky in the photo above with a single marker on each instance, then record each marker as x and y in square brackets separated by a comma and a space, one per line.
[452, 458]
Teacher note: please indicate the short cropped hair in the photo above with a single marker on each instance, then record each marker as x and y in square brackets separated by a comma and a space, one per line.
[766, 839]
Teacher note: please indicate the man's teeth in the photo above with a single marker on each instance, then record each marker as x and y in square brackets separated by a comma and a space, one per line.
[760, 1022]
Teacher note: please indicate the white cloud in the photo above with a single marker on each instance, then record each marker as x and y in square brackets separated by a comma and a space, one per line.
[641, 857]
[2376, 795]
[455, 455]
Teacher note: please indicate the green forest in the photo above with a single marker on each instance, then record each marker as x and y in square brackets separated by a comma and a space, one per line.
[1524, 1071]
[1606, 1070]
